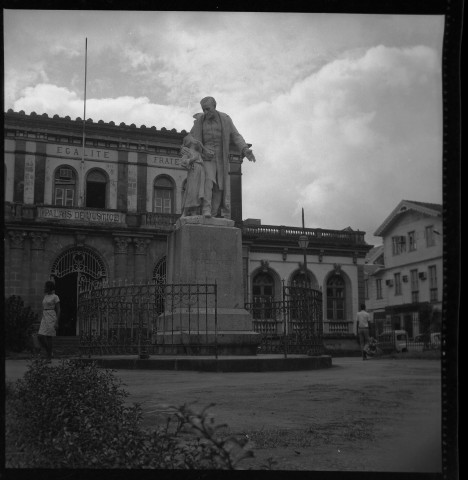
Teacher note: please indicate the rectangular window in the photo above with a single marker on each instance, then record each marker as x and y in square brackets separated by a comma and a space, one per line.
[65, 173]
[335, 309]
[378, 287]
[414, 285]
[397, 278]
[366, 289]
[163, 201]
[398, 245]
[64, 196]
[69, 194]
[411, 241]
[433, 294]
[430, 236]
[414, 280]
[59, 196]
[167, 205]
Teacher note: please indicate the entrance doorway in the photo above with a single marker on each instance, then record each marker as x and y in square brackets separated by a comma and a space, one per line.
[75, 270]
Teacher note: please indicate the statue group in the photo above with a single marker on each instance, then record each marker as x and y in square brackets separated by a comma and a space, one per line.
[205, 154]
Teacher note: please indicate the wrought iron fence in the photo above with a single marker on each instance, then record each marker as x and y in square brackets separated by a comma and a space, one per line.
[291, 325]
[148, 319]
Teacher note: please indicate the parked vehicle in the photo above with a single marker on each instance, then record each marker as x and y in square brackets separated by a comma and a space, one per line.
[395, 340]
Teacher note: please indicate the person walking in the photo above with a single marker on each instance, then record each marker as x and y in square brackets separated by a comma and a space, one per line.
[362, 326]
[50, 318]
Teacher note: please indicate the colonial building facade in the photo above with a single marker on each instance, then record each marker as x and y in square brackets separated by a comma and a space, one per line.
[102, 216]
[403, 281]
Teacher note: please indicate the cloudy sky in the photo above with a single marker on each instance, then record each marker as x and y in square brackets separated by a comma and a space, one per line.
[344, 111]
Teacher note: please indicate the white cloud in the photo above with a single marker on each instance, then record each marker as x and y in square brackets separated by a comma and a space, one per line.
[323, 145]
[65, 51]
[344, 112]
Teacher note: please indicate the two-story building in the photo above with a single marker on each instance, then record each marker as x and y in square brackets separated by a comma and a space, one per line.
[403, 282]
[102, 216]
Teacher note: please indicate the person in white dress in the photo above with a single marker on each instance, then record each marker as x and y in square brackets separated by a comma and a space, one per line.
[50, 318]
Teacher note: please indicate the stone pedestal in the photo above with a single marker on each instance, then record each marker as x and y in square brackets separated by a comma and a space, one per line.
[207, 251]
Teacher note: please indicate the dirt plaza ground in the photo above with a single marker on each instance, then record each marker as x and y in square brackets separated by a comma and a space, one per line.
[380, 415]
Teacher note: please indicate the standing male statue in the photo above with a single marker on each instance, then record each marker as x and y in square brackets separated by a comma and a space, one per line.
[216, 131]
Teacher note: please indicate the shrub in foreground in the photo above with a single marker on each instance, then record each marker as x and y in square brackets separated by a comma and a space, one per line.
[74, 416]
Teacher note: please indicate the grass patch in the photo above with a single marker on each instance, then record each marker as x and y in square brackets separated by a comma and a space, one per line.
[314, 434]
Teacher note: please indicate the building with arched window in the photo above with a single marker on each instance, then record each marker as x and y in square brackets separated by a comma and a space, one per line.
[103, 216]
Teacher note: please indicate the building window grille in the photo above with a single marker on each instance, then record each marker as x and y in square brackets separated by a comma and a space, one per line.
[412, 241]
[96, 189]
[414, 285]
[378, 288]
[366, 289]
[300, 279]
[336, 298]
[159, 272]
[430, 241]
[64, 187]
[263, 292]
[163, 195]
[397, 278]
[398, 245]
[433, 294]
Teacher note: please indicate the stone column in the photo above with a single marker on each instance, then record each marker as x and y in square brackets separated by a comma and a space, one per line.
[38, 271]
[141, 248]
[120, 256]
[14, 263]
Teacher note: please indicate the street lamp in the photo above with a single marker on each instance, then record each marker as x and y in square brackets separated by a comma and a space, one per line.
[304, 243]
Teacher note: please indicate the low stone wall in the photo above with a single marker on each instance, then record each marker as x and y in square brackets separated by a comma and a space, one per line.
[342, 346]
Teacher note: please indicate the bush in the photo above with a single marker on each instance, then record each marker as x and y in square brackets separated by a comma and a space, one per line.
[19, 324]
[74, 416]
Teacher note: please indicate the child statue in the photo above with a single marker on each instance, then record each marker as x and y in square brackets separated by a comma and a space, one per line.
[194, 187]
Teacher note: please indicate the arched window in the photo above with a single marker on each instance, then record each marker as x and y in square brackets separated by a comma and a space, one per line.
[96, 189]
[163, 195]
[300, 280]
[65, 186]
[263, 285]
[336, 298]
[263, 290]
[159, 272]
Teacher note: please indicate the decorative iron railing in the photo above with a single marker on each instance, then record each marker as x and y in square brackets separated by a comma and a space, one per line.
[291, 325]
[160, 219]
[148, 319]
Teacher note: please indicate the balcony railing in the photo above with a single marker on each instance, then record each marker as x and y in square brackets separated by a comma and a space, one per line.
[334, 327]
[319, 234]
[166, 222]
[160, 219]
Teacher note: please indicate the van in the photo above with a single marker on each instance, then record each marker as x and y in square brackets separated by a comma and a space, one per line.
[396, 340]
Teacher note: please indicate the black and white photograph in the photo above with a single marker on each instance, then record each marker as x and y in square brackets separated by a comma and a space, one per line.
[231, 239]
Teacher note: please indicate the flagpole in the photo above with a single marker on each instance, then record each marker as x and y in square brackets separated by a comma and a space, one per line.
[84, 124]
